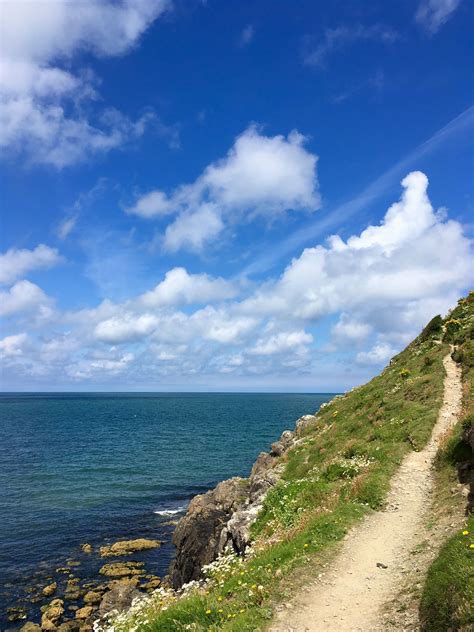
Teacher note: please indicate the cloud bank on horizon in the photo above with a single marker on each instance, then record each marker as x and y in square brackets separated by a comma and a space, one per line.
[381, 285]
[138, 284]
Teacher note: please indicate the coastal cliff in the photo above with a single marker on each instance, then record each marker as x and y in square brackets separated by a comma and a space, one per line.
[220, 520]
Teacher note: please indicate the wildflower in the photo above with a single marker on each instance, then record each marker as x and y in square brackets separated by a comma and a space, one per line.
[471, 546]
[260, 587]
[465, 532]
[220, 610]
[242, 611]
[208, 611]
[306, 545]
[219, 598]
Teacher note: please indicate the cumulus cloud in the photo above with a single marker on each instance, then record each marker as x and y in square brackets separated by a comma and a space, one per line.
[341, 37]
[16, 262]
[153, 204]
[411, 258]
[13, 346]
[181, 288]
[347, 330]
[40, 114]
[260, 176]
[372, 292]
[24, 296]
[282, 342]
[379, 354]
[194, 229]
[432, 14]
[125, 328]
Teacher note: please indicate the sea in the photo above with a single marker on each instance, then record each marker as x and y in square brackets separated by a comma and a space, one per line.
[100, 467]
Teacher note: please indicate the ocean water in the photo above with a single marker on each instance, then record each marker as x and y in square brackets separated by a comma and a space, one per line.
[95, 468]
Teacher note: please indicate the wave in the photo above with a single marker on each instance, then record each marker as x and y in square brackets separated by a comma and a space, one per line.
[171, 512]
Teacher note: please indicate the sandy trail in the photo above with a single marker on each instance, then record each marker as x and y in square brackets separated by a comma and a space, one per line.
[354, 591]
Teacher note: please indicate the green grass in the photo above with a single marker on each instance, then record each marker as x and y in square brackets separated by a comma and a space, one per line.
[447, 601]
[339, 471]
[448, 595]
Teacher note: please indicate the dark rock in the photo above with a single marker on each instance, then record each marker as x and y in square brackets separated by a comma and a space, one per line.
[85, 612]
[220, 520]
[50, 589]
[69, 626]
[122, 569]
[126, 547]
[92, 597]
[198, 534]
[119, 598]
[16, 614]
[30, 627]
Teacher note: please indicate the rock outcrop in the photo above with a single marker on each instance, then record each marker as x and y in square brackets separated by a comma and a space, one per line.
[220, 519]
[119, 598]
[126, 547]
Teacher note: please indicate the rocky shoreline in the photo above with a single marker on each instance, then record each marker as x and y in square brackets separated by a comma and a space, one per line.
[216, 522]
[72, 605]
[220, 520]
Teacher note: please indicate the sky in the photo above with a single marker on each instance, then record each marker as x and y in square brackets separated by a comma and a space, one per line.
[229, 196]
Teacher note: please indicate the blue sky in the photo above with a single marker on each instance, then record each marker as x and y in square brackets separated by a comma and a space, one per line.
[229, 196]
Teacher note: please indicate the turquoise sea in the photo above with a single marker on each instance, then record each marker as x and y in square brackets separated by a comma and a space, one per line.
[95, 468]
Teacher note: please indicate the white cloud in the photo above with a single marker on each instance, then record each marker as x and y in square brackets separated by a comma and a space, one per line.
[341, 37]
[66, 226]
[221, 326]
[151, 204]
[24, 296]
[412, 257]
[432, 14]
[282, 343]
[15, 263]
[347, 330]
[194, 229]
[125, 328]
[181, 288]
[13, 346]
[379, 354]
[260, 176]
[369, 293]
[40, 113]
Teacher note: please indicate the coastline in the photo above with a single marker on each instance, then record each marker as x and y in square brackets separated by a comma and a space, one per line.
[74, 580]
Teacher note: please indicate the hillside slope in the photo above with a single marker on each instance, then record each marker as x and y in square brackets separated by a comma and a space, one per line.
[312, 488]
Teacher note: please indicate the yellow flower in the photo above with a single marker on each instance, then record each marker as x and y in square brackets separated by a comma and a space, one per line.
[220, 610]
[219, 598]
[465, 532]
[208, 611]
[471, 546]
[306, 545]
[242, 610]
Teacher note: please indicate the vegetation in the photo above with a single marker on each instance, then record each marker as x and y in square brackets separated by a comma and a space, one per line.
[338, 471]
[448, 594]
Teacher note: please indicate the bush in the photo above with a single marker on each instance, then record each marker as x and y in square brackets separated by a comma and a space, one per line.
[432, 330]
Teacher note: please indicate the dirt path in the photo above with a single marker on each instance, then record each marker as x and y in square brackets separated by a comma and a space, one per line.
[353, 593]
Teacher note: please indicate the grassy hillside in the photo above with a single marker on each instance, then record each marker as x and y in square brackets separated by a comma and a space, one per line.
[448, 596]
[338, 471]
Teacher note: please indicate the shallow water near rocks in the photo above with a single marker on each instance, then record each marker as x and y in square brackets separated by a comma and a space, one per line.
[97, 468]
